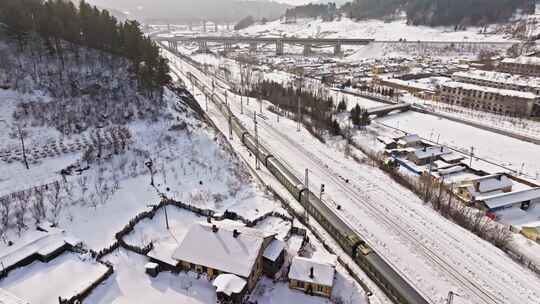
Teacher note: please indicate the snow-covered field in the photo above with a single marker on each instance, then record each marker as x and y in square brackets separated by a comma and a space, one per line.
[435, 255]
[516, 154]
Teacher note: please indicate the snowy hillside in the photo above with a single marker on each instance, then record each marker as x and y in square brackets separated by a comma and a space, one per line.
[374, 29]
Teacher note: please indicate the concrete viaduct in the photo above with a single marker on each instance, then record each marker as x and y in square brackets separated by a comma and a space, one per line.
[253, 42]
[308, 43]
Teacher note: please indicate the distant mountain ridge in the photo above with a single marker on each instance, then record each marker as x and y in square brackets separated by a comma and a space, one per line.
[195, 10]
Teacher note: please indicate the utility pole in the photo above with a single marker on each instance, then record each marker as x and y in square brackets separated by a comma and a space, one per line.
[260, 104]
[472, 154]
[257, 166]
[206, 101]
[230, 122]
[166, 216]
[307, 195]
[299, 119]
[21, 137]
[348, 139]
[428, 182]
[241, 102]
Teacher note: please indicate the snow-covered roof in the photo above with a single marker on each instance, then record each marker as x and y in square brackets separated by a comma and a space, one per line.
[273, 250]
[499, 77]
[504, 199]
[503, 92]
[7, 297]
[493, 182]
[452, 157]
[451, 170]
[221, 250]
[229, 284]
[523, 60]
[427, 152]
[410, 83]
[33, 242]
[323, 272]
[409, 139]
[151, 265]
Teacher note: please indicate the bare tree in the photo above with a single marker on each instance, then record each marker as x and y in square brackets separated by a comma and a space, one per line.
[38, 209]
[56, 202]
[5, 212]
[21, 208]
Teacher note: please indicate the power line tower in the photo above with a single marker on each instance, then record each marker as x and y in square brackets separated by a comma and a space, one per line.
[257, 165]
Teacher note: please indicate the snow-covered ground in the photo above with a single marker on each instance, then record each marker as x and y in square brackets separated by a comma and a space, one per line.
[435, 254]
[130, 284]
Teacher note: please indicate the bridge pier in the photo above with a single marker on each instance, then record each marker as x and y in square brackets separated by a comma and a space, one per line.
[253, 47]
[307, 49]
[203, 46]
[337, 49]
[279, 47]
[174, 45]
[227, 47]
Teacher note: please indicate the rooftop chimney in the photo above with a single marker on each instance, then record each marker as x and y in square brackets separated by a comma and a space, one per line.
[235, 233]
[442, 148]
[425, 149]
[209, 220]
[214, 228]
[311, 273]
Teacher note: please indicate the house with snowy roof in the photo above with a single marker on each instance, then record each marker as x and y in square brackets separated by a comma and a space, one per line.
[224, 248]
[523, 199]
[493, 184]
[313, 276]
[525, 65]
[425, 155]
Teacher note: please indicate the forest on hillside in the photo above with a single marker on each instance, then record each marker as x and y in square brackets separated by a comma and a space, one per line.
[459, 13]
[54, 27]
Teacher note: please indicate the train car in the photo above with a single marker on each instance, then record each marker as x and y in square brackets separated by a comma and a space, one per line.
[395, 287]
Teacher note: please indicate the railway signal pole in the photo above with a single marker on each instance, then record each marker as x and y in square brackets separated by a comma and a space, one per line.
[257, 166]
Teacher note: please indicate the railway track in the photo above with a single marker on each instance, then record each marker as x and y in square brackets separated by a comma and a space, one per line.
[355, 193]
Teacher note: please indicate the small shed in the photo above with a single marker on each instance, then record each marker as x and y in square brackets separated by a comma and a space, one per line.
[230, 288]
[314, 277]
[152, 269]
[532, 231]
[273, 258]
